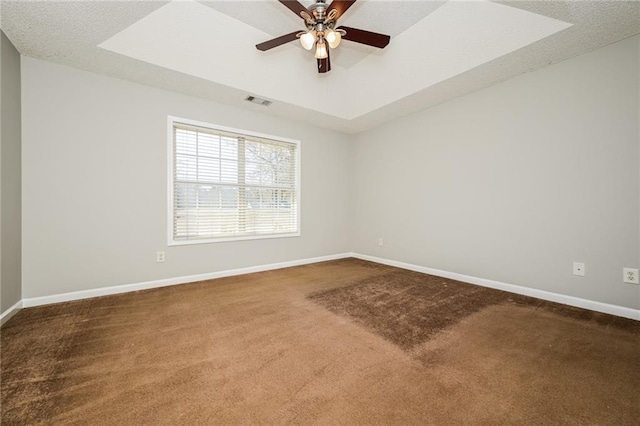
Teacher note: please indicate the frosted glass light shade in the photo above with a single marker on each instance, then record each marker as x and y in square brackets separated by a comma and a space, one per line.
[333, 38]
[307, 39]
[321, 50]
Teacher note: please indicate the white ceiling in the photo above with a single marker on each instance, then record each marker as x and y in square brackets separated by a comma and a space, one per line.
[439, 49]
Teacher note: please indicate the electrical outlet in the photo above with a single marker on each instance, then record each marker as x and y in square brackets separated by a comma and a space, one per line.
[380, 242]
[630, 276]
[578, 269]
[160, 257]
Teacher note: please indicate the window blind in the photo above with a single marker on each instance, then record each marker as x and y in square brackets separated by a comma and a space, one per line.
[232, 186]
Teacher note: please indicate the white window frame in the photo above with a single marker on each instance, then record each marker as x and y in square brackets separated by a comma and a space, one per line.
[171, 120]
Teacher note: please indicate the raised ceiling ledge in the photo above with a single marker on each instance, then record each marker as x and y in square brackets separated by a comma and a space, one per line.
[191, 38]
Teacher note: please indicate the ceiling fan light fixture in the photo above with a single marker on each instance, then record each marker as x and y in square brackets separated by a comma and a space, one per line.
[333, 38]
[307, 39]
[321, 31]
[321, 50]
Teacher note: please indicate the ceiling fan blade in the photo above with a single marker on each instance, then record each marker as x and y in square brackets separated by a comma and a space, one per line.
[366, 37]
[324, 65]
[277, 41]
[340, 6]
[295, 7]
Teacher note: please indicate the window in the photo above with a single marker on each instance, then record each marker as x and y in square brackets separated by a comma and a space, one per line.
[227, 184]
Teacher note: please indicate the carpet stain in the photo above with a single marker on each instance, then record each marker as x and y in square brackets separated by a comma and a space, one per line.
[505, 358]
[408, 308]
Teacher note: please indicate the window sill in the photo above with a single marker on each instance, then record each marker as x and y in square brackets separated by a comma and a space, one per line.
[231, 239]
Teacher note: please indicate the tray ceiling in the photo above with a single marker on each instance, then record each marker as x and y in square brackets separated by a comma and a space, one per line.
[438, 50]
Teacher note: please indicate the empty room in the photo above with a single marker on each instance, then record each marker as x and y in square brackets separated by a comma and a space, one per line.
[320, 212]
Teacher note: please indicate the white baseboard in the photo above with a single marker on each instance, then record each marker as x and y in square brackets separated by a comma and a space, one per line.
[126, 288]
[620, 311]
[606, 308]
[6, 315]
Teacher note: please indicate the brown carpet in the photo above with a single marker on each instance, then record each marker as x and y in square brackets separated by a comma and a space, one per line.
[342, 342]
[408, 308]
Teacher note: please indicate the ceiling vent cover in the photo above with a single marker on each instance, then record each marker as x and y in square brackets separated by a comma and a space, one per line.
[258, 101]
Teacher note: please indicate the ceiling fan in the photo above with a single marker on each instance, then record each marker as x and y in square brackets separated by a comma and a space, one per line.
[322, 31]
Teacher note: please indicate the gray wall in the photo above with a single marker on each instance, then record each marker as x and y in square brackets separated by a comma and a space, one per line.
[10, 177]
[512, 183]
[515, 182]
[95, 184]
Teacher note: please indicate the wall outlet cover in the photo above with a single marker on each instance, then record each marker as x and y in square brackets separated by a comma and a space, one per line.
[578, 269]
[630, 275]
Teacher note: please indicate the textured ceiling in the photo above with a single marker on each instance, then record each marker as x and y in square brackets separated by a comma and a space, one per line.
[70, 33]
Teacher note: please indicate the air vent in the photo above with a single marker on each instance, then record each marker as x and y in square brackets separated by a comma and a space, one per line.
[258, 101]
